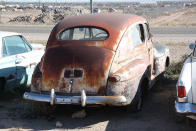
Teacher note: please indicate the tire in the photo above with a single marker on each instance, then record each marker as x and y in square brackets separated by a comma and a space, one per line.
[138, 100]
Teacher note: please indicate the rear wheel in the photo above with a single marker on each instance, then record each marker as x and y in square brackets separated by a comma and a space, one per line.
[137, 102]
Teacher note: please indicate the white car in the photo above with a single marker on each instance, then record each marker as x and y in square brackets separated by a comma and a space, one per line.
[186, 86]
[17, 60]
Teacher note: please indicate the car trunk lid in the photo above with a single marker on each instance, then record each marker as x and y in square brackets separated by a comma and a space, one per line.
[70, 69]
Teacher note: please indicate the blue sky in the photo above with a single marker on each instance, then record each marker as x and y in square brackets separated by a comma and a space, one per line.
[89, 0]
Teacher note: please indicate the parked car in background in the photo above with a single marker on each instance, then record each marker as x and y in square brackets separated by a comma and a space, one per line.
[98, 59]
[186, 87]
[17, 60]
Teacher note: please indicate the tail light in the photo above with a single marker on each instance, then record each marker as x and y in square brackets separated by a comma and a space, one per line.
[114, 78]
[181, 91]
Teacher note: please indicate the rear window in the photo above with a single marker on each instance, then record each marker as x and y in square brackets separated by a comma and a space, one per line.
[84, 33]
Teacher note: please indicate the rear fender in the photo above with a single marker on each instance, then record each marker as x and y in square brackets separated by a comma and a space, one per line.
[131, 76]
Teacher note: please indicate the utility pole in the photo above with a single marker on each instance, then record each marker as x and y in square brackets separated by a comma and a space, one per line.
[91, 6]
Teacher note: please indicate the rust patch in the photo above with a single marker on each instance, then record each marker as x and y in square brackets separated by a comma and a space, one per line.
[95, 66]
[102, 90]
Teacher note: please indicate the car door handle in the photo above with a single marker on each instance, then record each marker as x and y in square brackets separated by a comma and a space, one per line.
[18, 61]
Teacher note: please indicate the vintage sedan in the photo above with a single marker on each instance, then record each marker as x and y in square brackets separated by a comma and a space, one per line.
[17, 60]
[186, 87]
[98, 59]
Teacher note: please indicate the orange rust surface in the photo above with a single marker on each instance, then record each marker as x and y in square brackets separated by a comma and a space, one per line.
[115, 24]
[93, 57]
[94, 61]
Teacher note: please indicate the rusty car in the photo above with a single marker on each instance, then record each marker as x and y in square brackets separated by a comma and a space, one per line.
[17, 60]
[98, 59]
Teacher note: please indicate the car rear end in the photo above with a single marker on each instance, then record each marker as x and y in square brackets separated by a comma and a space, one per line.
[186, 100]
[69, 75]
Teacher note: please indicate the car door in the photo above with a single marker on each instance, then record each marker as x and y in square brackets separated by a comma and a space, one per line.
[133, 51]
[7, 66]
[149, 45]
[141, 49]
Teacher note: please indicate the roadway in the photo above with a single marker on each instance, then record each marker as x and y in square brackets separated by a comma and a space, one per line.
[161, 34]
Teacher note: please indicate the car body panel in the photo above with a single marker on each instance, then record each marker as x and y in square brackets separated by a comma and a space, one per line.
[187, 105]
[130, 63]
[95, 68]
[161, 54]
[193, 65]
[8, 70]
[185, 78]
[24, 70]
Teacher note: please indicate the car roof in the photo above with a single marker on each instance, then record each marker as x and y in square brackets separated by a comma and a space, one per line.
[106, 20]
[5, 33]
[115, 24]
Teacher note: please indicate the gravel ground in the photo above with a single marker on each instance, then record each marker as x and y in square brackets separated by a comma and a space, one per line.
[158, 114]
[177, 52]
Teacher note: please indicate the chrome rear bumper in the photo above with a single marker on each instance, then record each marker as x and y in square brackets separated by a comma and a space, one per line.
[185, 108]
[83, 99]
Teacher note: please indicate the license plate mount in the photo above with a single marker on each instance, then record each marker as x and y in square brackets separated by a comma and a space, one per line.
[64, 100]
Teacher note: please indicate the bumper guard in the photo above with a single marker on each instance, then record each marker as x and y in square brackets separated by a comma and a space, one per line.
[83, 99]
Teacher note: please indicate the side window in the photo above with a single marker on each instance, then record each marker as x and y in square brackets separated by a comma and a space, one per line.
[136, 39]
[15, 45]
[147, 34]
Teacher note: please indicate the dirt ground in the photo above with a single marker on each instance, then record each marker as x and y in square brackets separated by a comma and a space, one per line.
[158, 111]
[182, 17]
[177, 52]
[158, 114]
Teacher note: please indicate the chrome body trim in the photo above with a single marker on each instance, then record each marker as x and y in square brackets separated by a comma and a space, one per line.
[82, 100]
[184, 99]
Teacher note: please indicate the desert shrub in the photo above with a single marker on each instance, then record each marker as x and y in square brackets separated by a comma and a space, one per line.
[173, 71]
